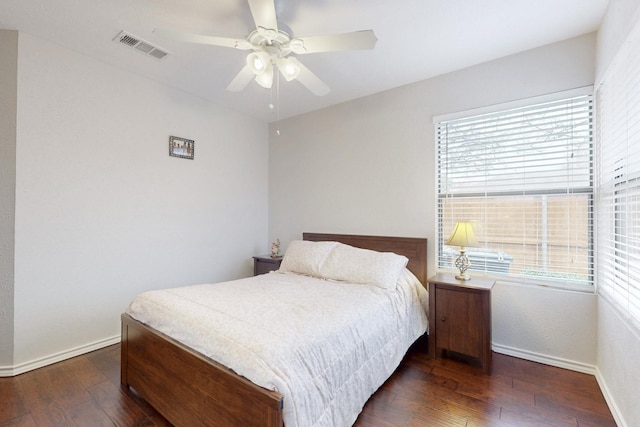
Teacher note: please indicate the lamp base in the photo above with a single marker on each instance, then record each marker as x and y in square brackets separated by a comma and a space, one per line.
[463, 264]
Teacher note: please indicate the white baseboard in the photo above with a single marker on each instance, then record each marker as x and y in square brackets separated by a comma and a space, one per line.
[543, 358]
[615, 411]
[10, 371]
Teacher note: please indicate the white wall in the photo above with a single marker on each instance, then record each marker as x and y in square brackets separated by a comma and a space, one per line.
[103, 212]
[367, 167]
[618, 355]
[546, 325]
[8, 94]
[618, 343]
[616, 25]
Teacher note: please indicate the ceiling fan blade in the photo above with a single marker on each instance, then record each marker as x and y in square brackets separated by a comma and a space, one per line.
[358, 40]
[264, 14]
[310, 80]
[241, 44]
[241, 80]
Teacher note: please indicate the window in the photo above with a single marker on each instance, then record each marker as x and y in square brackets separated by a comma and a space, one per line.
[523, 175]
[618, 185]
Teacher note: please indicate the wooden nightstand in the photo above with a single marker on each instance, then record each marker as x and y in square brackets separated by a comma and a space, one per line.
[265, 263]
[460, 318]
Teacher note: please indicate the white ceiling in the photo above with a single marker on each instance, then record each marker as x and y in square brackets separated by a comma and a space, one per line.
[417, 39]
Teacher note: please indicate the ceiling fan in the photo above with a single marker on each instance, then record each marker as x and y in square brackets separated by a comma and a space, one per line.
[272, 48]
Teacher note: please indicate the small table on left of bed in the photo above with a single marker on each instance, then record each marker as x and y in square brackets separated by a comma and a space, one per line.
[265, 263]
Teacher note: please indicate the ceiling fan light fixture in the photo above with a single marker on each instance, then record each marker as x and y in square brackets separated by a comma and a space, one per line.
[265, 78]
[269, 47]
[289, 69]
[258, 62]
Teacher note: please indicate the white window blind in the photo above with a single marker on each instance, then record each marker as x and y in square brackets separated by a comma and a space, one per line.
[524, 177]
[618, 186]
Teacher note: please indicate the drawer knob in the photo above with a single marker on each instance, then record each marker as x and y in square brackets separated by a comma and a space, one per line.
[443, 318]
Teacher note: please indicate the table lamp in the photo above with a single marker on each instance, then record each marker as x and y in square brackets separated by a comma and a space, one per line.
[463, 236]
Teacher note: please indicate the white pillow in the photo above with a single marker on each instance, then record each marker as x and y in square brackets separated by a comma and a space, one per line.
[306, 257]
[364, 266]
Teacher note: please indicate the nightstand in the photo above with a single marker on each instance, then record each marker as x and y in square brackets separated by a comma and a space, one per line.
[265, 263]
[460, 318]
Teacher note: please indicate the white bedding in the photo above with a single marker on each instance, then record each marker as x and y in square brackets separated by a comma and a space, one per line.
[325, 345]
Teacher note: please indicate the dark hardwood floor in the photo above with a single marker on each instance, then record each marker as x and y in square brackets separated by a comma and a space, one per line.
[85, 391]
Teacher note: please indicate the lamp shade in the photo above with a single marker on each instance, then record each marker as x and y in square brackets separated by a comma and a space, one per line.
[265, 78]
[258, 62]
[462, 236]
[289, 69]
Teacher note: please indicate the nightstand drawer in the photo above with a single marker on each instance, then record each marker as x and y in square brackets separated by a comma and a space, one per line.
[264, 264]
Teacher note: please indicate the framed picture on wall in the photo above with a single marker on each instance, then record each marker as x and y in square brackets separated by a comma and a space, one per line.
[181, 147]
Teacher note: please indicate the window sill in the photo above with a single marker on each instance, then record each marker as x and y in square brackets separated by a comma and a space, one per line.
[570, 287]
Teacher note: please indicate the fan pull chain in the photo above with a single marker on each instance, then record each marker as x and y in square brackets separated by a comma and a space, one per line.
[278, 104]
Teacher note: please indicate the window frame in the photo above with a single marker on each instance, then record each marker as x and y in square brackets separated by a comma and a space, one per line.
[589, 190]
[618, 182]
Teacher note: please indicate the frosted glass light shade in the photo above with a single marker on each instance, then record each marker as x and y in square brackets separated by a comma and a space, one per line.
[289, 69]
[258, 62]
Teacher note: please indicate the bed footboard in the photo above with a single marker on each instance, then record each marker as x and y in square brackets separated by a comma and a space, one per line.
[189, 389]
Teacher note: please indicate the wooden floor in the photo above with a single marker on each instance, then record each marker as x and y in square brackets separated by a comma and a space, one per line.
[85, 391]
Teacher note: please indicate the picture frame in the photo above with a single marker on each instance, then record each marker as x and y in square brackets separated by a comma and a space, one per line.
[181, 147]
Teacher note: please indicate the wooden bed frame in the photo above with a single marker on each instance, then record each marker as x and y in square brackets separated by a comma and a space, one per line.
[190, 389]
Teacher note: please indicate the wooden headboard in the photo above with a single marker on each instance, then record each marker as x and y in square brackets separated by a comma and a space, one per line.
[413, 248]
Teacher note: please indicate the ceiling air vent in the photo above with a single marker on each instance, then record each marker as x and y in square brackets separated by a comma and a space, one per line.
[140, 45]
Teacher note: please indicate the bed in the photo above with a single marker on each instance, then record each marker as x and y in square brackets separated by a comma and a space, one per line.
[190, 388]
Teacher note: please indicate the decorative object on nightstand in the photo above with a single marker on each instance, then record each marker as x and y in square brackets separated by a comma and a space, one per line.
[460, 318]
[266, 263]
[463, 236]
[275, 249]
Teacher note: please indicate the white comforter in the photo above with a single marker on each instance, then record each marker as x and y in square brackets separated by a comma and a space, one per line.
[326, 346]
